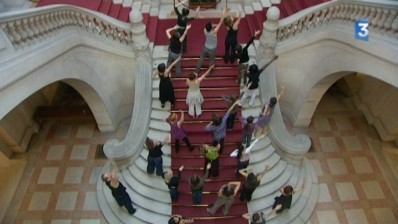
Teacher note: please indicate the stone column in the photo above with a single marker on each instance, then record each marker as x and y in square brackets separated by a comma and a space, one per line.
[123, 154]
[266, 49]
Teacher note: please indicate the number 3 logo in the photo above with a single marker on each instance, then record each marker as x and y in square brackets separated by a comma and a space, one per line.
[362, 29]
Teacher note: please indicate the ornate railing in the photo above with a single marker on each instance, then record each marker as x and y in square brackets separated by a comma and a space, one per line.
[28, 27]
[382, 17]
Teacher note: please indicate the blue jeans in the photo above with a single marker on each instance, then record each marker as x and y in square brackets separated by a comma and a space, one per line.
[197, 197]
[155, 163]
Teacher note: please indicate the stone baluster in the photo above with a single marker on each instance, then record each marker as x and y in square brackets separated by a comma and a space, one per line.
[21, 32]
[33, 27]
[371, 15]
[15, 38]
[382, 20]
[388, 23]
[29, 32]
[355, 12]
[374, 21]
[394, 27]
[329, 14]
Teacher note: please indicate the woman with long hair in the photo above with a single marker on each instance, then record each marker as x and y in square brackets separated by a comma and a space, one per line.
[266, 113]
[183, 20]
[155, 160]
[252, 181]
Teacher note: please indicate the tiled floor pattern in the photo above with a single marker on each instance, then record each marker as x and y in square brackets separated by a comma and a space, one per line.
[352, 186]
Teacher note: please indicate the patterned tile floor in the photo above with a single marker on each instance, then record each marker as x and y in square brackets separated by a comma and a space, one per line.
[61, 171]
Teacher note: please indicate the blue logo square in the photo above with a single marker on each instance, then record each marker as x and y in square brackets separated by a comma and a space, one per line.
[362, 29]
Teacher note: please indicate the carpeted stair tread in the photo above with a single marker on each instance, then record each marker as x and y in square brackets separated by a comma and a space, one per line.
[195, 162]
[124, 14]
[289, 8]
[114, 10]
[235, 210]
[92, 4]
[206, 92]
[105, 7]
[151, 26]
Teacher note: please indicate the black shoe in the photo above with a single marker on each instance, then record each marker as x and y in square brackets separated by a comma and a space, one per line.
[133, 212]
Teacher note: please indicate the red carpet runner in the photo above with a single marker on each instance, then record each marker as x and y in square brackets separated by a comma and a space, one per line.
[221, 82]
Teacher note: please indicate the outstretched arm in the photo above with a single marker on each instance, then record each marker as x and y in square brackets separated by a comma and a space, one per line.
[182, 38]
[168, 69]
[246, 216]
[197, 12]
[244, 172]
[217, 28]
[237, 186]
[280, 93]
[180, 3]
[266, 65]
[206, 73]
[262, 174]
[168, 31]
[232, 106]
[236, 24]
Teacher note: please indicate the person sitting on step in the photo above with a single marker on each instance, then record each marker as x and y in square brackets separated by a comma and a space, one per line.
[284, 201]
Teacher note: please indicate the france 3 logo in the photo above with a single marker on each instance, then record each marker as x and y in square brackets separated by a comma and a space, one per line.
[362, 29]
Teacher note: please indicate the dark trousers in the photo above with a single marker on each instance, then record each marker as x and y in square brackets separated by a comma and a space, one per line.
[184, 43]
[155, 163]
[186, 140]
[213, 172]
[230, 51]
[174, 194]
[231, 121]
[221, 142]
[197, 197]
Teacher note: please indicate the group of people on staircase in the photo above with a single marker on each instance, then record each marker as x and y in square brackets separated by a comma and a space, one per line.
[218, 125]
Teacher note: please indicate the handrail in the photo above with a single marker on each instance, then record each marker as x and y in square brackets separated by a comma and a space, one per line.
[30, 26]
[382, 16]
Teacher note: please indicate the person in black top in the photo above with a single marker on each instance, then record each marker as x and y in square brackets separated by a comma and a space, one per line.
[173, 182]
[251, 88]
[243, 58]
[183, 20]
[175, 46]
[231, 40]
[155, 156]
[118, 191]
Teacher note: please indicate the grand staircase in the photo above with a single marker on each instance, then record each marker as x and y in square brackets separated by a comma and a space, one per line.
[150, 194]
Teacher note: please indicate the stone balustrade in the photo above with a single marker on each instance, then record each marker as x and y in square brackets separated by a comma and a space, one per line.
[27, 27]
[383, 18]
